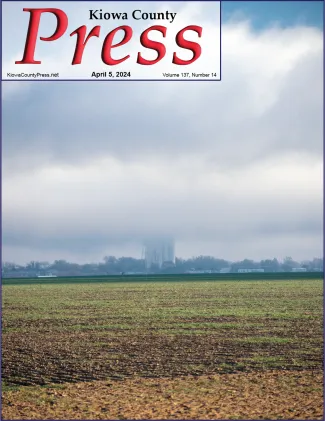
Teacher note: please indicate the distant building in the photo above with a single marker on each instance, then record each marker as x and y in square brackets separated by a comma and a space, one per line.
[47, 276]
[298, 270]
[225, 270]
[159, 252]
[196, 271]
[250, 270]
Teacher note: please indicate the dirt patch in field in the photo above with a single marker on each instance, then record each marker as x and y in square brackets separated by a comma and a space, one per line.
[34, 358]
[267, 395]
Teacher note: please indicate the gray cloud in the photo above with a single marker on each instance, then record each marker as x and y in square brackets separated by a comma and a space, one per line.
[231, 169]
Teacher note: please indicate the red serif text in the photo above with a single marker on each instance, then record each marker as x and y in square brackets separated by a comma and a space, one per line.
[108, 44]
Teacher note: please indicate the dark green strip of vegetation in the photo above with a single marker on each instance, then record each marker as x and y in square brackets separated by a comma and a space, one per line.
[285, 276]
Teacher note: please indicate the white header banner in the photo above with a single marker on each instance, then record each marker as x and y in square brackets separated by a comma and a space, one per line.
[121, 40]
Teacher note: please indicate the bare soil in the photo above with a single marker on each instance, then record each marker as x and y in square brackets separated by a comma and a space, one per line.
[267, 395]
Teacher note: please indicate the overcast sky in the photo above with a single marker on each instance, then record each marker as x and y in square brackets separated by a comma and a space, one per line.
[231, 169]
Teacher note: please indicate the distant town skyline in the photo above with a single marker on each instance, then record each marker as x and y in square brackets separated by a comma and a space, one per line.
[158, 252]
[112, 265]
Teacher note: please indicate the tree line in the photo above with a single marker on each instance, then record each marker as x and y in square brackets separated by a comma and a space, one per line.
[112, 265]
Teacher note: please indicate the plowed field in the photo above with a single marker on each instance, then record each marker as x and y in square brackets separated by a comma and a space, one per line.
[164, 332]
